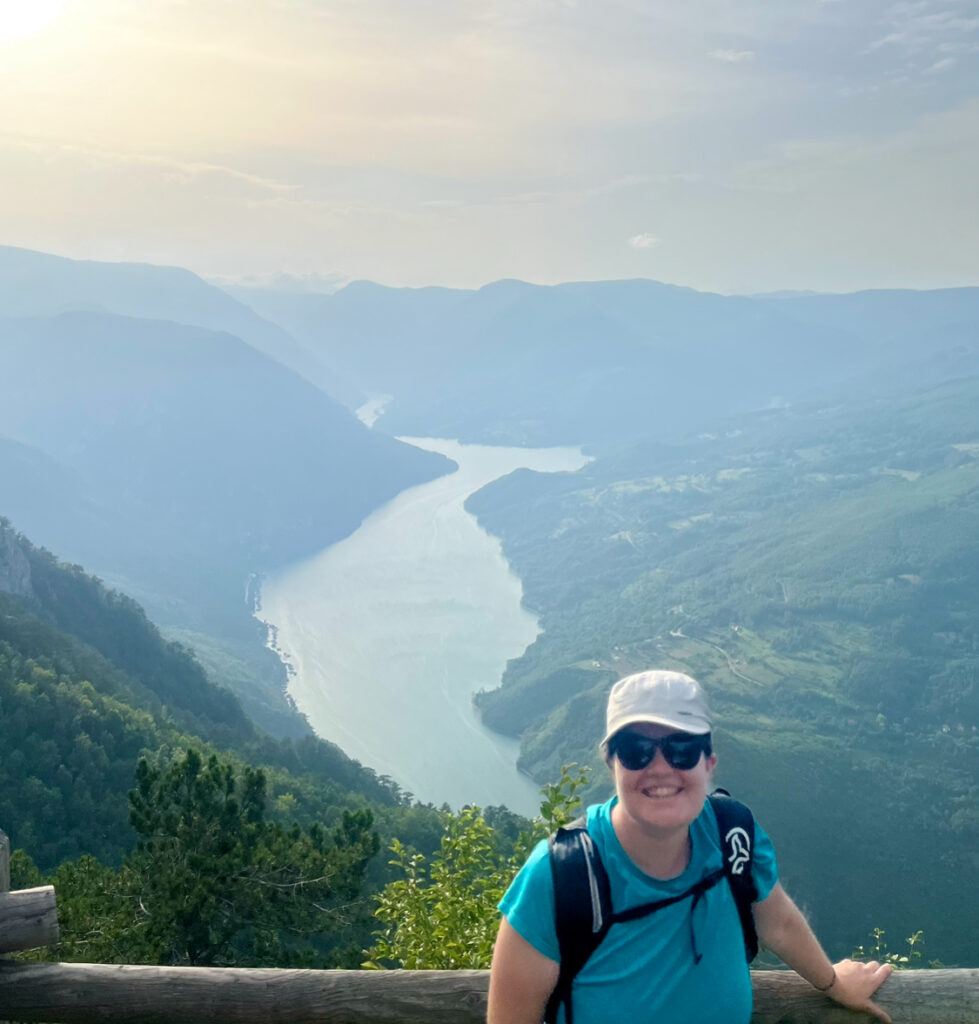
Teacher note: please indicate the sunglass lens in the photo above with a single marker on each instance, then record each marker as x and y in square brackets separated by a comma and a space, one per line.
[682, 753]
[635, 751]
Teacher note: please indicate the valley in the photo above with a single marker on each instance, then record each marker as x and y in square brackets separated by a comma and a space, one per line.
[780, 499]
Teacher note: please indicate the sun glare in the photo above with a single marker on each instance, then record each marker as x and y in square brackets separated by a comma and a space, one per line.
[19, 18]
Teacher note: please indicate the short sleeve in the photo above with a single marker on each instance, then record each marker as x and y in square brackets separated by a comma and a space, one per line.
[528, 904]
[764, 867]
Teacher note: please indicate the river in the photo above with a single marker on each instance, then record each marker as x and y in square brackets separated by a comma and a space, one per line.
[389, 633]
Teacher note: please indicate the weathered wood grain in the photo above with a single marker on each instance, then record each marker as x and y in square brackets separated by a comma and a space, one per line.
[910, 997]
[4, 862]
[4, 870]
[28, 918]
[90, 993]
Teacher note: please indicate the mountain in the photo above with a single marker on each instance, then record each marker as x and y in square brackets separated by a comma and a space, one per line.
[211, 451]
[604, 363]
[816, 568]
[147, 672]
[181, 463]
[88, 686]
[39, 284]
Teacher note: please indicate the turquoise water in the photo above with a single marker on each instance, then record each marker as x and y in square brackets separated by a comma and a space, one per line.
[389, 633]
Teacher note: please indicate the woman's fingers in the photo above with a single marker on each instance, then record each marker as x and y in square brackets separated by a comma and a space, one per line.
[856, 982]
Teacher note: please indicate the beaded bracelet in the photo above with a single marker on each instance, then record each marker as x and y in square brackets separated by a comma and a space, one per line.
[826, 988]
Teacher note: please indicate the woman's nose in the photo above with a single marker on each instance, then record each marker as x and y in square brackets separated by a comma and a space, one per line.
[659, 762]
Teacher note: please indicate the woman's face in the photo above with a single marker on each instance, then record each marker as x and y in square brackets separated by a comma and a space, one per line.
[660, 798]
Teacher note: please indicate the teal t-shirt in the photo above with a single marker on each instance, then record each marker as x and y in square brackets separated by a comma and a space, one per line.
[644, 970]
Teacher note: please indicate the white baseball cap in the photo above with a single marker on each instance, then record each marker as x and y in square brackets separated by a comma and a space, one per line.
[663, 698]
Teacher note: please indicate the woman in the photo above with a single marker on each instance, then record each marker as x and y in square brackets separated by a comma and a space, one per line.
[658, 837]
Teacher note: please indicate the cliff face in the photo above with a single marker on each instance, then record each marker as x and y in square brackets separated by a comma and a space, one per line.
[15, 570]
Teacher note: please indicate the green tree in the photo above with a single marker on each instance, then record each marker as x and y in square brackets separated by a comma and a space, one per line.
[443, 915]
[212, 882]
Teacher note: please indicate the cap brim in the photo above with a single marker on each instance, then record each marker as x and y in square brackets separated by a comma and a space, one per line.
[694, 726]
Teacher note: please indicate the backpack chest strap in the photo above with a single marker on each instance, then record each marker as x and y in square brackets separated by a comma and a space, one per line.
[696, 891]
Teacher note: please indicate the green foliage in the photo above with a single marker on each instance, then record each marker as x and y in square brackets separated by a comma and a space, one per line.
[87, 686]
[157, 672]
[212, 882]
[74, 725]
[443, 914]
[68, 752]
[23, 871]
[912, 960]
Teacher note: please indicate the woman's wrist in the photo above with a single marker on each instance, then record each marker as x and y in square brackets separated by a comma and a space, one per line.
[827, 987]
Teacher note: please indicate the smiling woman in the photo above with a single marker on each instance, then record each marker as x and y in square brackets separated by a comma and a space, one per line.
[19, 18]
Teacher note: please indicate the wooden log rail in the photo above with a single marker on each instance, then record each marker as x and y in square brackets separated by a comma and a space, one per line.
[97, 993]
[4, 868]
[28, 919]
[4, 862]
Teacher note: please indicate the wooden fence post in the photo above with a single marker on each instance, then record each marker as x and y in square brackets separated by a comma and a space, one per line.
[4, 862]
[28, 919]
[4, 871]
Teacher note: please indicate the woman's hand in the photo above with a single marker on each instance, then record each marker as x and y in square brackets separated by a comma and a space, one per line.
[856, 982]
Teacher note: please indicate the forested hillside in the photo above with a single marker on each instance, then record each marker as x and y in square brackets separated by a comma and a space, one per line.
[95, 705]
[89, 685]
[816, 567]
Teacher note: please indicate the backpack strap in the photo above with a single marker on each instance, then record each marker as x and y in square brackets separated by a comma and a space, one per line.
[736, 831]
[583, 910]
[582, 907]
[695, 894]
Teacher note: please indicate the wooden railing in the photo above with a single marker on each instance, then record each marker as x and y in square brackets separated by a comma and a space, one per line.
[96, 993]
[4, 870]
[4, 863]
[122, 994]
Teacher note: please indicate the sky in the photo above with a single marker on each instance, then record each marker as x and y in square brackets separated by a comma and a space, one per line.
[727, 145]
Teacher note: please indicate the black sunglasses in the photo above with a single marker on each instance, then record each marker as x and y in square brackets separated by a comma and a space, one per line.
[681, 750]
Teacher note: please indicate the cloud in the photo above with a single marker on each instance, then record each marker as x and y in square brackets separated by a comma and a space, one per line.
[246, 136]
[295, 284]
[915, 28]
[732, 56]
[643, 241]
[443, 204]
[183, 172]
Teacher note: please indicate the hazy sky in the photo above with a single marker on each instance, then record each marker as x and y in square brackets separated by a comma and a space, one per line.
[732, 145]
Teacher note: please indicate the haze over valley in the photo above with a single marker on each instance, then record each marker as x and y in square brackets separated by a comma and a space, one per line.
[378, 384]
[782, 503]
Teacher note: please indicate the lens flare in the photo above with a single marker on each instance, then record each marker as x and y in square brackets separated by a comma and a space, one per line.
[20, 18]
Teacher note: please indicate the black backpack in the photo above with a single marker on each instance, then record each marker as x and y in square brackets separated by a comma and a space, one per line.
[583, 910]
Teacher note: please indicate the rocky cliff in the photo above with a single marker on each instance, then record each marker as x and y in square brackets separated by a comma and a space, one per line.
[15, 570]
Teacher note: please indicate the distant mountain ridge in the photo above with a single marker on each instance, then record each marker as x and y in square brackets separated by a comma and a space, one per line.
[148, 434]
[603, 363]
[39, 284]
[213, 449]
